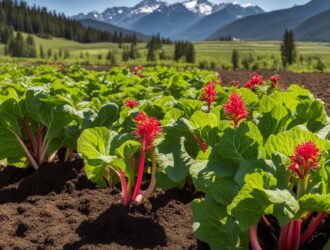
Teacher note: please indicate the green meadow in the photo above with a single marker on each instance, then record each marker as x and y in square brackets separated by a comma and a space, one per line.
[263, 54]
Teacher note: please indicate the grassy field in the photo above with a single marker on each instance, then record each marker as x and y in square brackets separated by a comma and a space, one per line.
[266, 54]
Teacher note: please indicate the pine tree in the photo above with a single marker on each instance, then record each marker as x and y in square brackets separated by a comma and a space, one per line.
[190, 53]
[319, 65]
[125, 54]
[66, 54]
[151, 55]
[109, 55]
[162, 55]
[133, 53]
[49, 53]
[17, 46]
[113, 59]
[235, 59]
[30, 48]
[41, 52]
[288, 49]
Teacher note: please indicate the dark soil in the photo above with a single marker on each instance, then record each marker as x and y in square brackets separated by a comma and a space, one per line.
[317, 83]
[57, 207]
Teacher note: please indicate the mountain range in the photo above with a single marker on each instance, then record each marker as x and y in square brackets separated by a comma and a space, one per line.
[191, 19]
[202, 19]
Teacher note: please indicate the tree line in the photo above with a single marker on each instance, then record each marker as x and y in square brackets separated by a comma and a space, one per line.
[288, 56]
[19, 16]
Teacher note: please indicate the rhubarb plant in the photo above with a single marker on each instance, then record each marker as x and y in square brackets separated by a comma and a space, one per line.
[34, 127]
[104, 150]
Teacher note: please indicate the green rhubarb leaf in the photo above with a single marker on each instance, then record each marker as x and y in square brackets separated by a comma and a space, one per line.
[189, 106]
[300, 91]
[310, 113]
[211, 225]
[94, 147]
[285, 142]
[314, 202]
[259, 197]
[250, 166]
[165, 183]
[267, 103]
[241, 143]
[107, 115]
[33, 103]
[205, 125]
[249, 97]
[10, 127]
[274, 121]
[173, 158]
[214, 177]
[172, 116]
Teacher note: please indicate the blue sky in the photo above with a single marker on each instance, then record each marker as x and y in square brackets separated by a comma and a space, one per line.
[71, 7]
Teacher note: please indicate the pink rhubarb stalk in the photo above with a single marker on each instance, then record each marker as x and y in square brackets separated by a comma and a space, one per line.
[201, 143]
[254, 238]
[282, 240]
[140, 173]
[153, 180]
[27, 152]
[316, 222]
[125, 192]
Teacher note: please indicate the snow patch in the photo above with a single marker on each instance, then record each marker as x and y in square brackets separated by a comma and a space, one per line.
[246, 5]
[205, 9]
[190, 5]
[147, 9]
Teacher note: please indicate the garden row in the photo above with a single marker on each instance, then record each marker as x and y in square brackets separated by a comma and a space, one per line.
[259, 154]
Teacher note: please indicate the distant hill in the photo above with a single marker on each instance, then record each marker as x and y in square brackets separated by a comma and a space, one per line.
[225, 14]
[106, 27]
[316, 28]
[271, 25]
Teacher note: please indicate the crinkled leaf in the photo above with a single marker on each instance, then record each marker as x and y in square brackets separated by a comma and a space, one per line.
[107, 115]
[211, 225]
[256, 198]
[241, 143]
[173, 158]
[285, 142]
[314, 202]
[94, 147]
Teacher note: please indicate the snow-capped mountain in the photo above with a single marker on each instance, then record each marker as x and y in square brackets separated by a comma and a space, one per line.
[223, 15]
[157, 16]
[123, 16]
[202, 7]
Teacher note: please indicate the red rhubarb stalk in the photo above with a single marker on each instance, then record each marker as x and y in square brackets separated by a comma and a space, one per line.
[296, 237]
[289, 235]
[140, 172]
[40, 142]
[254, 238]
[315, 223]
[32, 139]
[27, 152]
[124, 188]
[267, 222]
[283, 234]
[153, 181]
